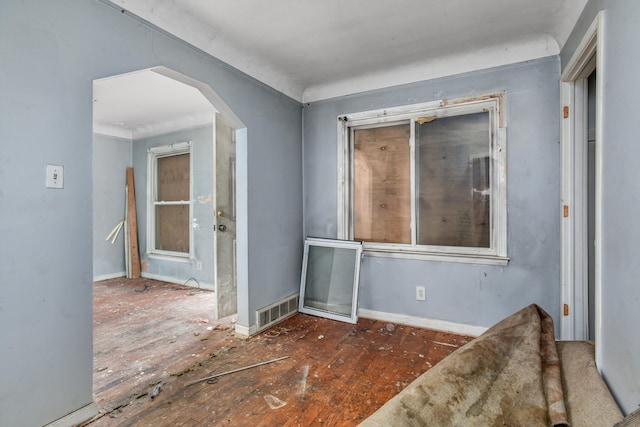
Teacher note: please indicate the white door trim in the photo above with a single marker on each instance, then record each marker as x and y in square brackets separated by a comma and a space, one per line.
[574, 262]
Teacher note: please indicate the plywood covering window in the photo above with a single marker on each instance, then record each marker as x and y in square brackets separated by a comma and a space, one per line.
[170, 195]
[382, 190]
[426, 180]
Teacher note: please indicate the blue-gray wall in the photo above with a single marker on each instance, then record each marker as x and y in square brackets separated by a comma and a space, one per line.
[619, 342]
[202, 203]
[111, 157]
[50, 54]
[476, 295]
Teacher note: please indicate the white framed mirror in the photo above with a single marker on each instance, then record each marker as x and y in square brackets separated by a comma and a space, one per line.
[330, 277]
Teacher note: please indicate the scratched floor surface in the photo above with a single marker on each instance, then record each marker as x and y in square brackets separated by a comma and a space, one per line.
[145, 330]
[336, 374]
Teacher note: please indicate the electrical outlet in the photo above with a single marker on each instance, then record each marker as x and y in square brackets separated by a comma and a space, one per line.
[199, 265]
[421, 293]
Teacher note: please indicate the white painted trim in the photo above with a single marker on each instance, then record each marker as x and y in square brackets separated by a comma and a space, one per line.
[578, 64]
[172, 149]
[246, 331]
[102, 277]
[413, 184]
[328, 313]
[192, 219]
[441, 257]
[581, 204]
[377, 116]
[170, 257]
[578, 218]
[492, 102]
[214, 185]
[153, 154]
[573, 88]
[600, 144]
[342, 180]
[117, 132]
[499, 211]
[567, 224]
[76, 417]
[182, 282]
[432, 68]
[423, 322]
[403, 319]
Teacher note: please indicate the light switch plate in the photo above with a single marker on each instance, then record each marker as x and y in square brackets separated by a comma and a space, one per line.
[55, 176]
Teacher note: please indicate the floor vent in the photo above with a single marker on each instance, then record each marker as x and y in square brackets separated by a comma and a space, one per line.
[276, 312]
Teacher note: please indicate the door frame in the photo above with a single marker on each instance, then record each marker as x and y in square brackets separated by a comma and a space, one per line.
[574, 324]
[239, 137]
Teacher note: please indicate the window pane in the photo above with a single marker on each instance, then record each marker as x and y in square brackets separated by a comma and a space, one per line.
[330, 279]
[382, 187]
[173, 178]
[172, 228]
[453, 186]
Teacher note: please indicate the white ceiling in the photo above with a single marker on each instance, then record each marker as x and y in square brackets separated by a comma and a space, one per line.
[313, 50]
[145, 103]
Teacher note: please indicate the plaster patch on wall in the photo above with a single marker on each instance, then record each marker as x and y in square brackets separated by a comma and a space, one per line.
[205, 199]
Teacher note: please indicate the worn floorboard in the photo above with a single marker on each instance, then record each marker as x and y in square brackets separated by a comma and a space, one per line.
[143, 331]
[336, 374]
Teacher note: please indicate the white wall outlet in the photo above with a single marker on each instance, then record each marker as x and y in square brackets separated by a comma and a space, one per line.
[55, 176]
[421, 293]
[199, 265]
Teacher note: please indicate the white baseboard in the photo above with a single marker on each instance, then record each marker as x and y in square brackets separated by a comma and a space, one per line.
[183, 282]
[109, 276]
[76, 417]
[246, 331]
[421, 322]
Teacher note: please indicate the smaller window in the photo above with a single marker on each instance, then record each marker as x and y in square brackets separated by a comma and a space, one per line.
[426, 180]
[330, 277]
[169, 231]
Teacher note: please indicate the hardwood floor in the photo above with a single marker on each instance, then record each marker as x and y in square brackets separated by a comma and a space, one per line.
[336, 374]
[144, 330]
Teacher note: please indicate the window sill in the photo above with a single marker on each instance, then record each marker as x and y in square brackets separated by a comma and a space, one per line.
[442, 257]
[186, 258]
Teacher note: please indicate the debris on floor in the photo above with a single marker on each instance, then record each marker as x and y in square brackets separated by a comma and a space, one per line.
[274, 402]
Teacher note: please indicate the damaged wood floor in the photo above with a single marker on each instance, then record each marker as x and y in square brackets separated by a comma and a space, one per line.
[144, 330]
[336, 374]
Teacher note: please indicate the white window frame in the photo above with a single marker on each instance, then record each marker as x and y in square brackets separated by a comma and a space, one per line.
[154, 154]
[493, 103]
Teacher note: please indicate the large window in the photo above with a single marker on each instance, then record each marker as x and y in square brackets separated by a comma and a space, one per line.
[170, 200]
[426, 180]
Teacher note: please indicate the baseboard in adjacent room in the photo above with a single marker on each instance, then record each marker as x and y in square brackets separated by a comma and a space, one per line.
[184, 282]
[109, 276]
[76, 417]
